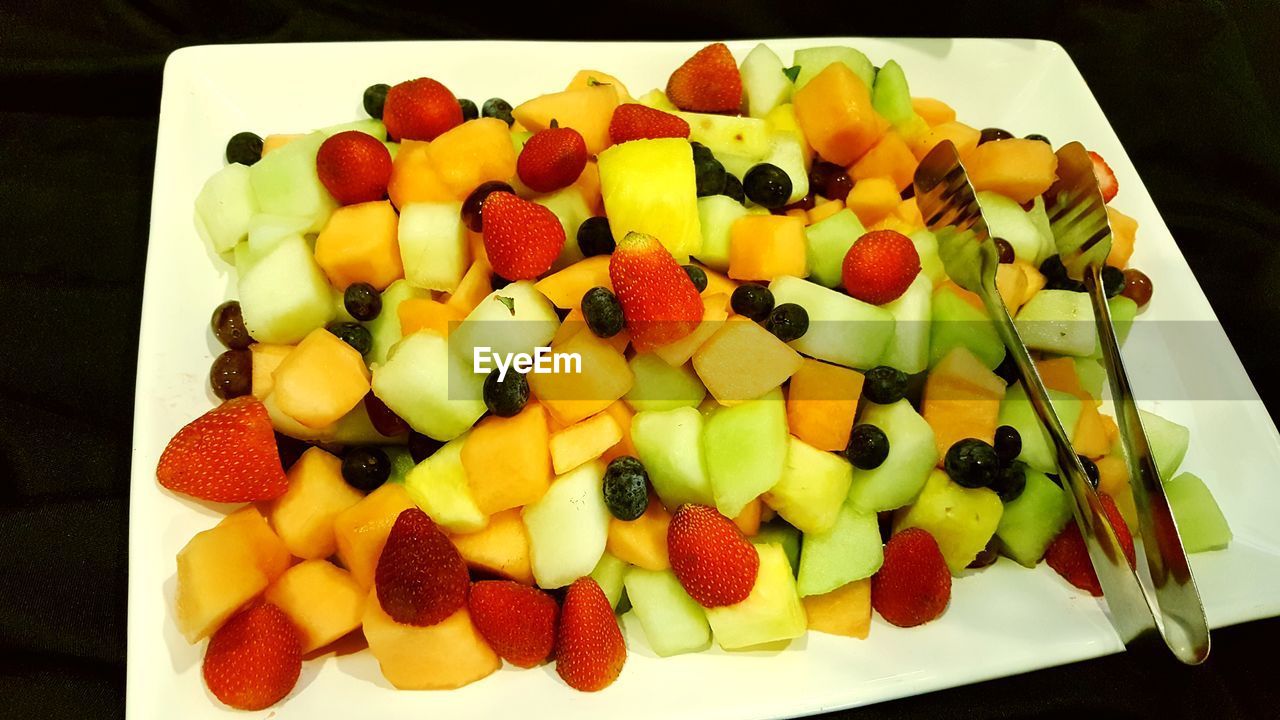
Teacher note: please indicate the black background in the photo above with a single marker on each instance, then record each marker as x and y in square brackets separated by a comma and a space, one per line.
[1191, 88]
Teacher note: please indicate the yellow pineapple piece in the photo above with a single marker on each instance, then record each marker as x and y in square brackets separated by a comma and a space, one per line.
[649, 187]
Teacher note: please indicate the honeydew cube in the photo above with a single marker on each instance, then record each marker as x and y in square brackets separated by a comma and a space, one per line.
[225, 207]
[1168, 442]
[570, 208]
[764, 84]
[814, 60]
[439, 486]
[717, 214]
[610, 574]
[1201, 524]
[956, 323]
[501, 547]
[386, 327]
[912, 313]
[303, 516]
[828, 241]
[673, 622]
[283, 293]
[1060, 322]
[573, 393]
[323, 601]
[772, 612]
[1006, 219]
[1032, 520]
[265, 230]
[669, 443]
[432, 389]
[508, 461]
[369, 126]
[285, 182]
[812, 489]
[962, 520]
[842, 330]
[844, 611]
[583, 441]
[731, 134]
[659, 386]
[787, 152]
[1037, 449]
[927, 248]
[745, 446]
[781, 533]
[913, 453]
[514, 320]
[849, 550]
[742, 361]
[433, 245]
[568, 527]
[321, 380]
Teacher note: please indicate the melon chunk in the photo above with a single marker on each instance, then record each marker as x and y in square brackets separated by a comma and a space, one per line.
[434, 390]
[849, 550]
[568, 527]
[965, 138]
[439, 486]
[842, 329]
[834, 110]
[224, 208]
[642, 542]
[1168, 442]
[321, 380]
[583, 441]
[285, 182]
[822, 401]
[323, 601]
[812, 489]
[473, 153]
[913, 452]
[889, 158]
[844, 611]
[303, 516]
[717, 215]
[714, 313]
[507, 460]
[609, 574]
[772, 612]
[673, 622]
[962, 520]
[587, 110]
[283, 292]
[502, 547]
[1201, 524]
[743, 361]
[573, 396]
[763, 247]
[669, 443]
[1031, 521]
[443, 656]
[266, 358]
[872, 199]
[932, 111]
[361, 530]
[433, 245]
[360, 244]
[414, 177]
[660, 386]
[566, 287]
[1016, 168]
[745, 446]
[962, 400]
[426, 314]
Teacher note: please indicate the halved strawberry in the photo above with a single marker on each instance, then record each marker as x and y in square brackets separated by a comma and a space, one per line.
[590, 651]
[659, 302]
[518, 621]
[712, 559]
[354, 167]
[552, 159]
[420, 109]
[1106, 179]
[913, 585]
[254, 659]
[1068, 555]
[707, 82]
[521, 238]
[421, 579]
[633, 121]
[227, 455]
[879, 266]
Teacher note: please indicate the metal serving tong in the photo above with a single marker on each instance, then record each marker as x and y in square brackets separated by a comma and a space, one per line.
[950, 209]
[1082, 232]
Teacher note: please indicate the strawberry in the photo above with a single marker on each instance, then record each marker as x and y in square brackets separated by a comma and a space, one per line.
[521, 238]
[712, 559]
[552, 159]
[707, 82]
[354, 167]
[254, 659]
[633, 121]
[226, 455]
[590, 651]
[1068, 555]
[913, 585]
[879, 266]
[518, 621]
[420, 110]
[1106, 179]
[421, 579]
[659, 302]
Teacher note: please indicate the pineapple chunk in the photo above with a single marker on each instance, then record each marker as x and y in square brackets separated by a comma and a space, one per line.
[649, 187]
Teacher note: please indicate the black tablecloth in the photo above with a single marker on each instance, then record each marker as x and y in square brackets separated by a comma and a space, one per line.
[1191, 88]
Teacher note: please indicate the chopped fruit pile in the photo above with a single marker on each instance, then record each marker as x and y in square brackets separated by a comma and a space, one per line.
[730, 389]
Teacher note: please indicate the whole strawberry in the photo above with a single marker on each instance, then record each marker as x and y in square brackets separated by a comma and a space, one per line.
[521, 238]
[254, 659]
[420, 110]
[1068, 555]
[1106, 178]
[421, 579]
[913, 585]
[880, 266]
[227, 455]
[659, 302]
[712, 559]
[633, 121]
[354, 167]
[707, 82]
[518, 621]
[552, 159]
[590, 651]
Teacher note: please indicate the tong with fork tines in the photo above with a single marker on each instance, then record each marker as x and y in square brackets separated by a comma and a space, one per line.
[1170, 605]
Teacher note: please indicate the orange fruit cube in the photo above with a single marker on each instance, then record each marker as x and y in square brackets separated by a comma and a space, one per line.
[743, 361]
[822, 401]
[834, 110]
[889, 158]
[961, 400]
[323, 601]
[507, 460]
[643, 541]
[303, 516]
[360, 244]
[361, 530]
[1016, 168]
[762, 247]
[321, 380]
[502, 547]
[472, 153]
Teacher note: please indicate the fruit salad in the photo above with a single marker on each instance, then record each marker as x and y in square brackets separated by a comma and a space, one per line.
[498, 375]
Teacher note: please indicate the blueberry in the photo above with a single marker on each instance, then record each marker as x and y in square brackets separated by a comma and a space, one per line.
[1007, 370]
[1011, 480]
[698, 276]
[469, 109]
[375, 97]
[508, 396]
[1112, 280]
[626, 491]
[366, 468]
[244, 148]
[595, 237]
[972, 463]
[868, 447]
[767, 185]
[1041, 138]
[700, 152]
[1008, 443]
[788, 322]
[710, 176]
[884, 385]
[362, 301]
[752, 301]
[603, 312]
[1090, 471]
[497, 282]
[232, 374]
[733, 188]
[1065, 283]
[1052, 268]
[422, 446]
[992, 134]
[1005, 250]
[498, 108]
[353, 334]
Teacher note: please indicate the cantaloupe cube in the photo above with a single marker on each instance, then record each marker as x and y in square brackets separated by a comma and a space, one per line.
[891, 158]
[965, 139]
[798, 213]
[1011, 284]
[575, 323]
[323, 601]
[1016, 168]
[762, 247]
[1090, 436]
[715, 310]
[748, 521]
[643, 541]
[872, 199]
[933, 112]
[822, 401]
[1124, 231]
[266, 358]
[507, 460]
[475, 286]
[582, 441]
[571, 397]
[1113, 430]
[717, 284]
[834, 110]
[303, 516]
[592, 78]
[588, 185]
[587, 110]
[472, 153]
[824, 210]
[321, 380]
[224, 567]
[962, 400]
[566, 287]
[622, 414]
[443, 656]
[743, 361]
[361, 530]
[844, 611]
[277, 141]
[1113, 479]
[427, 314]
[360, 244]
[414, 177]
[475, 246]
[502, 547]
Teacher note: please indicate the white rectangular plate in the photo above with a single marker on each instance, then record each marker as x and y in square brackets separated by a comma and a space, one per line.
[1002, 621]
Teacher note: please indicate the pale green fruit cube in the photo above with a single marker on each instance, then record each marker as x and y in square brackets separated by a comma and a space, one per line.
[891, 97]
[385, 328]
[669, 444]
[659, 386]
[284, 294]
[842, 329]
[912, 313]
[1059, 322]
[828, 241]
[285, 182]
[779, 532]
[850, 550]
[956, 323]
[1006, 219]
[745, 446]
[1037, 449]
[772, 612]
[814, 60]
[717, 214]
[1167, 440]
[609, 574]
[570, 208]
[514, 320]
[913, 453]
[1032, 520]
[764, 84]
[439, 486]
[1201, 524]
[568, 527]
[673, 622]
[927, 248]
[433, 245]
[813, 487]
[224, 208]
[429, 387]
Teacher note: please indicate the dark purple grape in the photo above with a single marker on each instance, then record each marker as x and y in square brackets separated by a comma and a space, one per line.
[473, 206]
[232, 374]
[382, 418]
[829, 180]
[228, 326]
